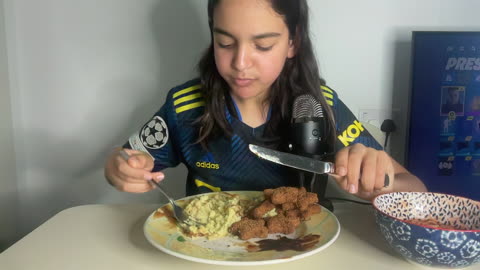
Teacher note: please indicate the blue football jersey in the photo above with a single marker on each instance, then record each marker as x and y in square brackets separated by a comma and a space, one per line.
[170, 136]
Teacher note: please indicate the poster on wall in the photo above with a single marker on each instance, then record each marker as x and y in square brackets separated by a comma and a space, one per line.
[443, 146]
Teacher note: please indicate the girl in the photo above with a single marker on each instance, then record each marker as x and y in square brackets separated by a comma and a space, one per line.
[260, 58]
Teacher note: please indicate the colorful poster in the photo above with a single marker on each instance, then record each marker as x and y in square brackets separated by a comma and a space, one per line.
[444, 134]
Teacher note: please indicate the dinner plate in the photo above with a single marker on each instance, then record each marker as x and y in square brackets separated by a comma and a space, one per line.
[319, 232]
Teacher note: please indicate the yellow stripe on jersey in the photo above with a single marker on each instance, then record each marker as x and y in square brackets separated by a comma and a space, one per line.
[203, 184]
[327, 95]
[186, 90]
[189, 106]
[187, 98]
[323, 87]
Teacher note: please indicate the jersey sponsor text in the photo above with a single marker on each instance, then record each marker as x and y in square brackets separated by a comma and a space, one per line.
[352, 132]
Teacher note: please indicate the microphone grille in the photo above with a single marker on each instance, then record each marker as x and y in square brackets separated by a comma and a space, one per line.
[306, 106]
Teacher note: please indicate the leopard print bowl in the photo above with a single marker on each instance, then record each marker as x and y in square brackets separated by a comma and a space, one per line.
[431, 229]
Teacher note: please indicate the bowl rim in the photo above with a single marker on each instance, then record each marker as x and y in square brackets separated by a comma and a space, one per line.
[374, 204]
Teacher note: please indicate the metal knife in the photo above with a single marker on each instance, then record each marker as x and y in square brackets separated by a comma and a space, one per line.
[294, 161]
[297, 162]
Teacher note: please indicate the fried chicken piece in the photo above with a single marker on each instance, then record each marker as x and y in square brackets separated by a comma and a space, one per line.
[267, 193]
[302, 191]
[282, 224]
[259, 211]
[249, 228]
[311, 210]
[283, 195]
[304, 201]
[294, 213]
[288, 206]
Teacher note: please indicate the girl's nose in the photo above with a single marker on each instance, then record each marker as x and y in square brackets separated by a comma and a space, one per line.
[242, 58]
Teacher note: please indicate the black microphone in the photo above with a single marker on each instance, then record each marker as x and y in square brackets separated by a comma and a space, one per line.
[308, 137]
[309, 128]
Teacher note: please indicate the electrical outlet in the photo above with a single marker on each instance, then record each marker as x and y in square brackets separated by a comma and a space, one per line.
[374, 116]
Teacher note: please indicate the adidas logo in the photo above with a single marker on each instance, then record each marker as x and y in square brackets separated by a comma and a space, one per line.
[207, 165]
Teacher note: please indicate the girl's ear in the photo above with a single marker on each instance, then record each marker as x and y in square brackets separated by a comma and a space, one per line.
[292, 49]
[294, 44]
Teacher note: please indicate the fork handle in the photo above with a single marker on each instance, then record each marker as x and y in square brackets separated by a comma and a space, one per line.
[126, 156]
[161, 190]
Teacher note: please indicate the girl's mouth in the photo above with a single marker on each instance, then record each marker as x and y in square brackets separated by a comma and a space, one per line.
[242, 82]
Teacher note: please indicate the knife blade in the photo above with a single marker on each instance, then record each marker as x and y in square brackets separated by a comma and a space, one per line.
[298, 162]
[294, 161]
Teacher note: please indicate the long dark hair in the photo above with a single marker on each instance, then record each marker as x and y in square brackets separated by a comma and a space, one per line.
[299, 76]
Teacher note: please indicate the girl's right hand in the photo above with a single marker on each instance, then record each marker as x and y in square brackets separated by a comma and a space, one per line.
[131, 175]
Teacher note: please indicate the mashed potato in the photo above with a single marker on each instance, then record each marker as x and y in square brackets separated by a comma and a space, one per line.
[217, 212]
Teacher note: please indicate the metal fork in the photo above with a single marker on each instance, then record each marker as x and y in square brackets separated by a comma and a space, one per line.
[178, 212]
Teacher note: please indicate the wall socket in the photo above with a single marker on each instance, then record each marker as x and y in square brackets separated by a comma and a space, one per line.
[374, 116]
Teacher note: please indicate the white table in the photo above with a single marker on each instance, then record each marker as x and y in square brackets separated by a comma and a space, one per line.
[111, 237]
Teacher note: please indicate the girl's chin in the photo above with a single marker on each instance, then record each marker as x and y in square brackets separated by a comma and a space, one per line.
[244, 94]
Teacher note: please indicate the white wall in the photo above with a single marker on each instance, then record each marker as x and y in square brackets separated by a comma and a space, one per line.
[8, 184]
[86, 74]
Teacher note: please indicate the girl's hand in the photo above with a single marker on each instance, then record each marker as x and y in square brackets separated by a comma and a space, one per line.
[361, 170]
[131, 175]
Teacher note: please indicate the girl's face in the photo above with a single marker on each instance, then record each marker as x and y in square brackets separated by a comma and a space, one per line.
[251, 45]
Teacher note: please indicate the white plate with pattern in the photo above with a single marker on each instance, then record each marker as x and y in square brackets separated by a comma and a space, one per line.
[310, 237]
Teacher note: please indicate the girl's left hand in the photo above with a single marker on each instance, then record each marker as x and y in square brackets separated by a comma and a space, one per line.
[361, 170]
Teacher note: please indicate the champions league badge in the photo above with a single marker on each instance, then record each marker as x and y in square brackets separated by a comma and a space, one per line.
[154, 134]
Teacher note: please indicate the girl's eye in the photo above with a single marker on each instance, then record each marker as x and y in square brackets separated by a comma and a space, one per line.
[224, 46]
[263, 48]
